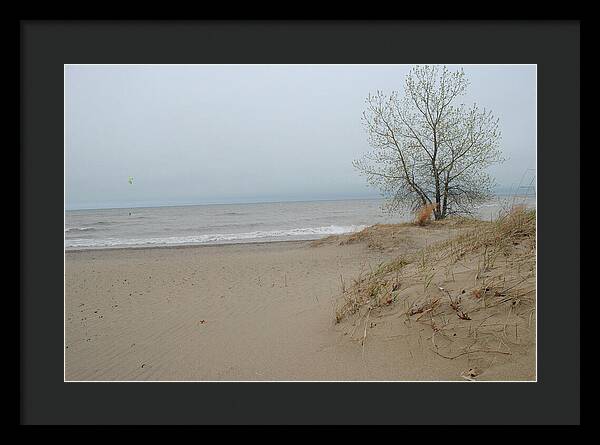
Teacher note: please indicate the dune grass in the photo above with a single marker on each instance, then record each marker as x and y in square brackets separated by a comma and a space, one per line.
[482, 244]
[423, 214]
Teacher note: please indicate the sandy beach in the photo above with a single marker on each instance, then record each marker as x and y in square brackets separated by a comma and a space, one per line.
[232, 312]
[267, 311]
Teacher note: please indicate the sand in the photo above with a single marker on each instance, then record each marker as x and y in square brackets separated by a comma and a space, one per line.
[254, 312]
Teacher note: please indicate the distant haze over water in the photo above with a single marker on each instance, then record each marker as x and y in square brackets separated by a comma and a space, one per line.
[208, 134]
[235, 223]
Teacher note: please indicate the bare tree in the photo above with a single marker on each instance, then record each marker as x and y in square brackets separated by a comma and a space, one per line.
[426, 148]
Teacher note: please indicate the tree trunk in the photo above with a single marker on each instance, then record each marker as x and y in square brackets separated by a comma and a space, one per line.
[438, 195]
[445, 198]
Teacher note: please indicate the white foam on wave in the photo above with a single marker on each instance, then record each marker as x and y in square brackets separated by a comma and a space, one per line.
[306, 233]
[78, 229]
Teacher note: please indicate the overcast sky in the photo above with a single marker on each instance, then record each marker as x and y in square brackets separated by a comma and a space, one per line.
[248, 133]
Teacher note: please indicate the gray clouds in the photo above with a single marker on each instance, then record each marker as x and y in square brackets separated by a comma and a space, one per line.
[241, 133]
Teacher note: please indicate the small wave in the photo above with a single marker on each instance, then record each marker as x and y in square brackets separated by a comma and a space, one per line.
[217, 238]
[218, 227]
[78, 229]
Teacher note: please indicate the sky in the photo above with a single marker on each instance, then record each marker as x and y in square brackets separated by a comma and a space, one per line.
[202, 134]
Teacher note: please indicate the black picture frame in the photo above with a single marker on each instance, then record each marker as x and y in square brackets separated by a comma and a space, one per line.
[45, 46]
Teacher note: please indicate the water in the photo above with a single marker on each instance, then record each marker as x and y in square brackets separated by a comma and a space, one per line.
[229, 223]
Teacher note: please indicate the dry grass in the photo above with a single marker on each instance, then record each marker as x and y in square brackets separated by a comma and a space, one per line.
[475, 291]
[375, 289]
[423, 214]
[405, 236]
[376, 237]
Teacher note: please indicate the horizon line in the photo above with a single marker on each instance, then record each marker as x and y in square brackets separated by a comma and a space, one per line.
[497, 194]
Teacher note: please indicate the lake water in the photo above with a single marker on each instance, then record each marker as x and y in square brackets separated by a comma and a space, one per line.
[234, 223]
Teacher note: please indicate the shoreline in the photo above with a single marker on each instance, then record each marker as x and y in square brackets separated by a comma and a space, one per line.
[189, 246]
[184, 244]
